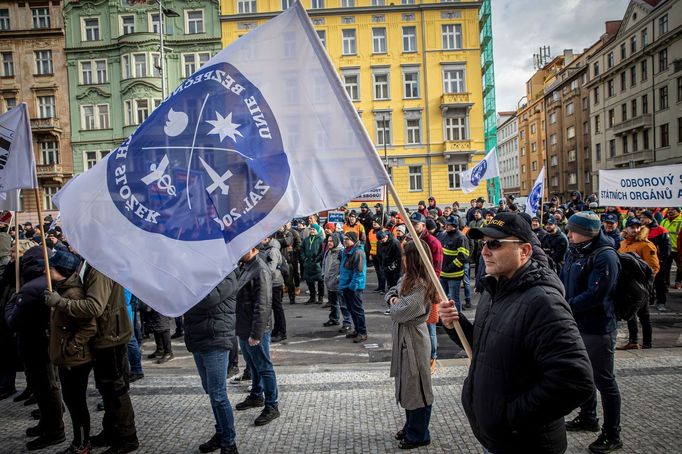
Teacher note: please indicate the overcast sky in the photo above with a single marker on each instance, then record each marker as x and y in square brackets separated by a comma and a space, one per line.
[520, 27]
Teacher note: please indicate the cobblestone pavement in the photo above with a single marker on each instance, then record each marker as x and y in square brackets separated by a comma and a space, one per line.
[342, 409]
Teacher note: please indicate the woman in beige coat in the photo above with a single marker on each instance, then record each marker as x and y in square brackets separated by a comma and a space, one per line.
[410, 302]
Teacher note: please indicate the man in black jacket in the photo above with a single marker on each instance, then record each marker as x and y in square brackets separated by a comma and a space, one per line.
[253, 330]
[555, 244]
[529, 367]
[209, 329]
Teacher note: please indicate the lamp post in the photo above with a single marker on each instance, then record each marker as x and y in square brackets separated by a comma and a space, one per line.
[170, 13]
[384, 214]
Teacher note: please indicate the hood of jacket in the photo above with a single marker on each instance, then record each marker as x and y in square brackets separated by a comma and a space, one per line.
[273, 243]
[32, 264]
[336, 242]
[531, 274]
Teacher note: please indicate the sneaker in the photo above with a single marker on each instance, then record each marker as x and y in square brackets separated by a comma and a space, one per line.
[245, 377]
[311, 300]
[135, 377]
[292, 300]
[229, 449]
[331, 323]
[646, 346]
[467, 304]
[34, 431]
[605, 444]
[101, 439]
[211, 445]
[629, 346]
[678, 285]
[100, 407]
[165, 358]
[406, 444]
[177, 335]
[360, 338]
[326, 305]
[387, 312]
[123, 447]
[581, 424]
[73, 449]
[156, 354]
[660, 308]
[433, 366]
[268, 415]
[400, 435]
[233, 371]
[345, 329]
[45, 440]
[279, 338]
[250, 402]
[351, 335]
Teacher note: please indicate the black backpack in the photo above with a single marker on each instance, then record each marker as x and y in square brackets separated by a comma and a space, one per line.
[634, 286]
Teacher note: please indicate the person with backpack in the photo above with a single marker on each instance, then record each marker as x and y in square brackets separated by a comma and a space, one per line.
[636, 242]
[589, 276]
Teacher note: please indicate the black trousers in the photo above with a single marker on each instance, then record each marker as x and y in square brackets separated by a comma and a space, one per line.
[280, 328]
[74, 391]
[660, 286]
[233, 359]
[320, 288]
[645, 320]
[41, 378]
[111, 379]
[381, 276]
[391, 277]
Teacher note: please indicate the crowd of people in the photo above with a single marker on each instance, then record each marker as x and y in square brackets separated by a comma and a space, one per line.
[543, 337]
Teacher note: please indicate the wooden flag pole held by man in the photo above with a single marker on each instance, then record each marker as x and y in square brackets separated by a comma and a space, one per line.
[42, 235]
[435, 280]
[16, 252]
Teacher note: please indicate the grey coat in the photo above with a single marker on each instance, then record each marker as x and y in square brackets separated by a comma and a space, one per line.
[331, 265]
[411, 348]
[271, 255]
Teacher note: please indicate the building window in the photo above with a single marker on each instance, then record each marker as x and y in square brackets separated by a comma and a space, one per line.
[635, 143]
[569, 108]
[533, 129]
[597, 152]
[633, 108]
[453, 81]
[644, 75]
[322, 35]
[127, 24]
[95, 117]
[595, 69]
[192, 62]
[154, 23]
[612, 118]
[381, 86]
[585, 104]
[663, 25]
[91, 29]
[350, 81]
[415, 178]
[93, 72]
[41, 17]
[140, 65]
[609, 60]
[383, 126]
[49, 152]
[572, 179]
[633, 44]
[533, 147]
[622, 81]
[645, 104]
[663, 60]
[596, 95]
[663, 98]
[10, 103]
[316, 4]
[43, 62]
[679, 89]
[572, 155]
[349, 42]
[249, 6]
[644, 38]
[4, 19]
[679, 130]
[452, 36]
[610, 88]
[46, 106]
[346, 3]
[195, 22]
[622, 51]
[597, 124]
[409, 39]
[665, 139]
[645, 139]
[552, 118]
[411, 84]
[455, 128]
[624, 112]
[454, 181]
[48, 193]
[633, 75]
[553, 160]
[553, 139]
[379, 40]
[612, 148]
[534, 165]
[7, 64]
[413, 132]
[142, 110]
[378, 2]
[137, 110]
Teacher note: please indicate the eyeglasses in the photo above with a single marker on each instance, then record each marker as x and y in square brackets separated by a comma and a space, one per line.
[496, 244]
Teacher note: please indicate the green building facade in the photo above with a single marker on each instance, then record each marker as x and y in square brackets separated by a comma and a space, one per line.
[488, 74]
[114, 64]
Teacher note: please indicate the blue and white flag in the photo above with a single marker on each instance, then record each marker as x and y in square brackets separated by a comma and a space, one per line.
[484, 170]
[533, 201]
[17, 162]
[263, 132]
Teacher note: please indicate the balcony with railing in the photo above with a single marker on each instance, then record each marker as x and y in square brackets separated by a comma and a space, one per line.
[45, 124]
[52, 171]
[638, 157]
[641, 122]
[454, 146]
[455, 101]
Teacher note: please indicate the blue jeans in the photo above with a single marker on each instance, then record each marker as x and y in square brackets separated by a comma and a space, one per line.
[135, 357]
[434, 339]
[337, 304]
[212, 367]
[353, 300]
[451, 287]
[416, 426]
[467, 282]
[263, 379]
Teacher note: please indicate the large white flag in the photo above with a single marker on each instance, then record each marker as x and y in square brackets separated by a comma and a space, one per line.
[9, 201]
[17, 162]
[263, 132]
[487, 168]
[533, 202]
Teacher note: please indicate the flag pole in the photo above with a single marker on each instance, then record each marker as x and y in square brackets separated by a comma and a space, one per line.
[16, 252]
[435, 280]
[42, 235]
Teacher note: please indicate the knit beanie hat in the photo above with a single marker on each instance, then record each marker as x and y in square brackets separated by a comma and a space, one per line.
[649, 215]
[65, 262]
[430, 224]
[352, 236]
[585, 223]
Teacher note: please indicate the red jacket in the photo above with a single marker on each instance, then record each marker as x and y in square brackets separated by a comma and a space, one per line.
[437, 254]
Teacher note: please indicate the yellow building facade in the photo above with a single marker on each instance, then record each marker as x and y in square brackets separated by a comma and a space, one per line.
[413, 72]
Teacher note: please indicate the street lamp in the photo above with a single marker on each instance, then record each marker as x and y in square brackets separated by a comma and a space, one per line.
[385, 211]
[170, 13]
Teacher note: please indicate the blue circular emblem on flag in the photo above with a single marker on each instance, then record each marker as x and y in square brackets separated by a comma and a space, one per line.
[208, 163]
[478, 172]
[534, 197]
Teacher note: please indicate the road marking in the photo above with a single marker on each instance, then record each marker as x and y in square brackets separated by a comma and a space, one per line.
[314, 339]
[321, 352]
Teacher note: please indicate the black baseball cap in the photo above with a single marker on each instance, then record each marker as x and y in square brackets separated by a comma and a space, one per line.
[502, 226]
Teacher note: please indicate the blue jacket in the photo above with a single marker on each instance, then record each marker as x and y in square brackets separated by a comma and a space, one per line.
[353, 269]
[615, 236]
[589, 284]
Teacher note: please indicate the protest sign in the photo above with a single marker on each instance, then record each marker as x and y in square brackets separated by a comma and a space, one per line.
[658, 186]
[375, 195]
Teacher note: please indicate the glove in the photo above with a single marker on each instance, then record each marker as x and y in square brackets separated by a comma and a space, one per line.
[52, 299]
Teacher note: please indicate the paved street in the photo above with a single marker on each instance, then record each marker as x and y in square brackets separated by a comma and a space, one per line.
[336, 396]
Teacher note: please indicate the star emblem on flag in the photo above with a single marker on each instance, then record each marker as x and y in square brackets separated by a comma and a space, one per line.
[224, 127]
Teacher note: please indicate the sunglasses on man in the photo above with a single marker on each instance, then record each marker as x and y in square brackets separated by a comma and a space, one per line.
[496, 244]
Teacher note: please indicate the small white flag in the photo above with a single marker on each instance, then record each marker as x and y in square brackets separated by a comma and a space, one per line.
[533, 202]
[487, 168]
[17, 162]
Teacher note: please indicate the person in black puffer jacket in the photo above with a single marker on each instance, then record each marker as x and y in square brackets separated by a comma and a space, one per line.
[529, 366]
[209, 332]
